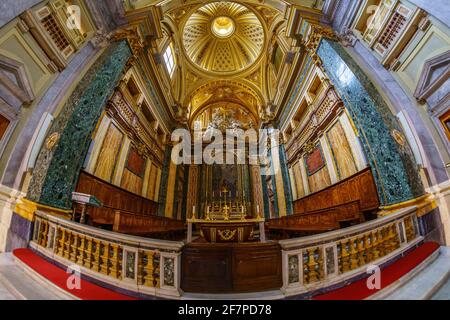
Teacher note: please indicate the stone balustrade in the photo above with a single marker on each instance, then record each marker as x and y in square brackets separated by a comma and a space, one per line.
[153, 267]
[140, 265]
[319, 261]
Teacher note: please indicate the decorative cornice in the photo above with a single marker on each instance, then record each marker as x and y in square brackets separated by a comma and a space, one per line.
[132, 36]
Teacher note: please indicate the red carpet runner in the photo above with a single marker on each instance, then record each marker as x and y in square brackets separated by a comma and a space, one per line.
[58, 276]
[355, 291]
[358, 290]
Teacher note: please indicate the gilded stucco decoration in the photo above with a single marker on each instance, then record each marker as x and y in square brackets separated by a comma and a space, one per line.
[231, 91]
[223, 37]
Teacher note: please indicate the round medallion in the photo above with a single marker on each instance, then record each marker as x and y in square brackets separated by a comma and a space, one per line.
[398, 137]
[52, 140]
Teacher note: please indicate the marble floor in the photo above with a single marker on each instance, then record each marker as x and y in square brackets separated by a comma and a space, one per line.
[443, 293]
[15, 284]
[425, 284]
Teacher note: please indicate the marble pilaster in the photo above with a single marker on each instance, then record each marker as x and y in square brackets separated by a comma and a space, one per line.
[59, 162]
[390, 157]
[164, 181]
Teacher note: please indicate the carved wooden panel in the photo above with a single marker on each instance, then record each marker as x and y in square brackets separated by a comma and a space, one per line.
[113, 198]
[320, 220]
[154, 226]
[359, 187]
[231, 268]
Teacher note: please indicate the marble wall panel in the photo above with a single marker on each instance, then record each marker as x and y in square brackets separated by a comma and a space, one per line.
[342, 152]
[131, 182]
[388, 152]
[109, 152]
[319, 180]
[57, 168]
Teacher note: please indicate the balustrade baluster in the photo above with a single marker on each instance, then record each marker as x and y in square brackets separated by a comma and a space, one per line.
[62, 242]
[381, 243]
[148, 269]
[320, 264]
[67, 245]
[88, 252]
[96, 255]
[74, 248]
[313, 274]
[80, 255]
[58, 235]
[394, 238]
[353, 254]
[375, 245]
[304, 263]
[387, 235]
[43, 234]
[409, 228]
[345, 256]
[114, 265]
[104, 258]
[368, 245]
[361, 251]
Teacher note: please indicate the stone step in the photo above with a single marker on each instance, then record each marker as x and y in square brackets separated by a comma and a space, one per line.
[443, 293]
[16, 283]
[426, 282]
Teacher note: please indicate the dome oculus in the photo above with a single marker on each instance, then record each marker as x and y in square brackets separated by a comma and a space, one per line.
[223, 27]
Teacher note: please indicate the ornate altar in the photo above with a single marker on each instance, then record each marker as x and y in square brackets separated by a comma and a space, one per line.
[226, 221]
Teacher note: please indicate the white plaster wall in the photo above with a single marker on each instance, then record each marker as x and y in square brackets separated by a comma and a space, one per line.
[438, 8]
[9, 9]
[8, 199]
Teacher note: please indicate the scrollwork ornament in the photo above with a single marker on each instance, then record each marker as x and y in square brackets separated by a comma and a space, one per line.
[52, 140]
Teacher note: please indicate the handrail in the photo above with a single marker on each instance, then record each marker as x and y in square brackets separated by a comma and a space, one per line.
[290, 244]
[114, 236]
[334, 257]
[152, 266]
[142, 265]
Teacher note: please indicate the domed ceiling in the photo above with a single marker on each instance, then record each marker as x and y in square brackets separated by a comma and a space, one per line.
[223, 37]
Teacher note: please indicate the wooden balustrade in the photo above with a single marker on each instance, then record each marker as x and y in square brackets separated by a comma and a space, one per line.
[144, 265]
[158, 267]
[334, 257]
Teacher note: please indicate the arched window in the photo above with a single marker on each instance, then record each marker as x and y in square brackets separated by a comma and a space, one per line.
[169, 60]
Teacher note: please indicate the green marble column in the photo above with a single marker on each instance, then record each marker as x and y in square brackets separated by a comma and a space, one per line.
[58, 165]
[265, 196]
[164, 181]
[386, 148]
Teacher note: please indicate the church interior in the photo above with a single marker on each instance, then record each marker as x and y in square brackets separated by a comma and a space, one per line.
[350, 99]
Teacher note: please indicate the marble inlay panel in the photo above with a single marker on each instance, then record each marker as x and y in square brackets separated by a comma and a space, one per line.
[58, 165]
[286, 180]
[164, 181]
[265, 197]
[390, 156]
